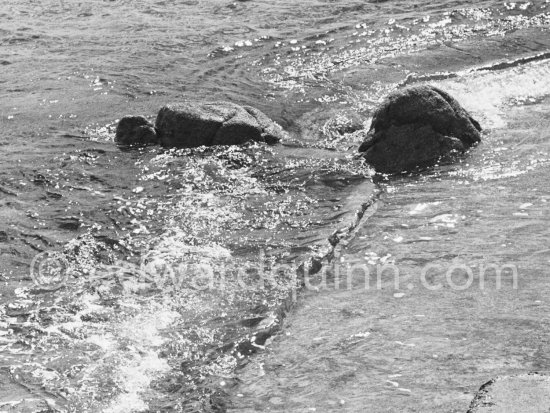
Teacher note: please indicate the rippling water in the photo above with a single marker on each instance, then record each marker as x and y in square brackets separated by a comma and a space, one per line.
[165, 250]
[424, 341]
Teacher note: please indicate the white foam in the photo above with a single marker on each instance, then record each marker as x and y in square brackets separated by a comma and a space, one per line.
[142, 363]
[486, 93]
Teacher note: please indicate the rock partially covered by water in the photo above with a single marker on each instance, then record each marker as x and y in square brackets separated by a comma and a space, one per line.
[135, 130]
[188, 125]
[415, 127]
[526, 393]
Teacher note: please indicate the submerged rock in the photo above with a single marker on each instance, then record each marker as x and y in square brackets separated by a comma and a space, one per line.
[219, 123]
[135, 130]
[417, 126]
[527, 393]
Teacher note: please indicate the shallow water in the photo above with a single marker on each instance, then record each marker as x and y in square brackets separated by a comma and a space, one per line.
[413, 316]
[160, 248]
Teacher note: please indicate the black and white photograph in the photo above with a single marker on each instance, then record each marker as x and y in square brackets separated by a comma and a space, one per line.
[249, 206]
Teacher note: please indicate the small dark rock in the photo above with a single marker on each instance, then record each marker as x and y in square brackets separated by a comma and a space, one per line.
[525, 393]
[416, 127]
[135, 131]
[189, 125]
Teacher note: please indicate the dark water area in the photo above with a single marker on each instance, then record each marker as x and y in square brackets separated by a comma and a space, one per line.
[179, 266]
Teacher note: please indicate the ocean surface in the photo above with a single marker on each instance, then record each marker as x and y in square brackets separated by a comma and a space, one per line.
[154, 280]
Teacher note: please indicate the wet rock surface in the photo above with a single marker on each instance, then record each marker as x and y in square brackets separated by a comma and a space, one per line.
[527, 393]
[415, 127]
[189, 125]
[135, 131]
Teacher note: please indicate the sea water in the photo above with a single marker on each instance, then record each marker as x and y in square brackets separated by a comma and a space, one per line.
[154, 280]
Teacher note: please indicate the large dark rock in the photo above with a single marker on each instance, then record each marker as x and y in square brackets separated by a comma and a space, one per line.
[415, 127]
[218, 123]
[135, 130]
